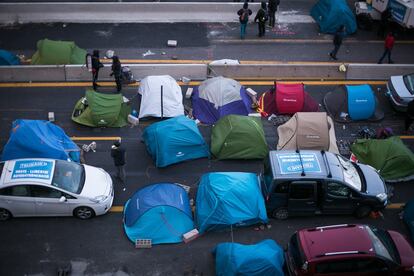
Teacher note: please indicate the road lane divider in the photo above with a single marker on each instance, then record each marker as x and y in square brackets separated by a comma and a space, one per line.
[95, 138]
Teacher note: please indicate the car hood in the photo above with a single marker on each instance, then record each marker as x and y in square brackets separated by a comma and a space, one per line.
[399, 86]
[374, 182]
[97, 182]
[405, 249]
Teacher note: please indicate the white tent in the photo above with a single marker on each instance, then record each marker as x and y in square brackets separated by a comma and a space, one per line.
[153, 104]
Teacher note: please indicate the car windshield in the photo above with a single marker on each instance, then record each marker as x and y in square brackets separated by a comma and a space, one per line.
[267, 177]
[351, 175]
[383, 244]
[69, 176]
[409, 82]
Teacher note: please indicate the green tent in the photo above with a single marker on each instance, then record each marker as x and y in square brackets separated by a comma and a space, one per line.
[390, 157]
[238, 137]
[50, 52]
[101, 110]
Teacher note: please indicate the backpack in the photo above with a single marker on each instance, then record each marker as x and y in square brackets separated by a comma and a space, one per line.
[245, 15]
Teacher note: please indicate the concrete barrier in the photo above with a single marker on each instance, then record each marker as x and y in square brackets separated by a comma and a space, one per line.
[35, 73]
[120, 12]
[377, 71]
[278, 71]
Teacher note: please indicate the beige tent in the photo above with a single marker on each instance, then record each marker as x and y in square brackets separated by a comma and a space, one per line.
[308, 130]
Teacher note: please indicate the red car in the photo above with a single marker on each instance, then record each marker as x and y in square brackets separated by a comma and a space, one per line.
[349, 249]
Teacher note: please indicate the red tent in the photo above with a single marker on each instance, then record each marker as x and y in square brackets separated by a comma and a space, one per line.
[287, 99]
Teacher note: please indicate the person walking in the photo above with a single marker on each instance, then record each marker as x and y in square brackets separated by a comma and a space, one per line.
[118, 154]
[409, 116]
[262, 17]
[337, 41]
[244, 14]
[388, 45]
[272, 7]
[96, 65]
[117, 72]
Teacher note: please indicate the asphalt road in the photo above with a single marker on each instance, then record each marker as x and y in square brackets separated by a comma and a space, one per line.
[41, 246]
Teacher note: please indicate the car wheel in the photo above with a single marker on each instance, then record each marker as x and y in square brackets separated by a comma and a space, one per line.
[280, 213]
[5, 214]
[83, 212]
[363, 211]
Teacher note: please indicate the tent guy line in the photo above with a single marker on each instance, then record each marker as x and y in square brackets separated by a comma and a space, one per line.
[191, 83]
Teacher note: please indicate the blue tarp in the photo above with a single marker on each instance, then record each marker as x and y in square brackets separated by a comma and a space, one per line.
[7, 58]
[361, 102]
[174, 140]
[160, 212]
[39, 139]
[408, 217]
[229, 198]
[262, 259]
[331, 14]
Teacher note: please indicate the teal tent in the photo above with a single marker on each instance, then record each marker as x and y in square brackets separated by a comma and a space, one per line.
[331, 14]
[7, 58]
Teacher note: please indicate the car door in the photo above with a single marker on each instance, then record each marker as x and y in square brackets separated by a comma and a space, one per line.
[302, 198]
[337, 198]
[18, 201]
[48, 201]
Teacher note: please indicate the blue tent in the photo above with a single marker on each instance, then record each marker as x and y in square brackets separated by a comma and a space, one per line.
[331, 14]
[160, 212]
[174, 140]
[229, 198]
[353, 103]
[7, 58]
[408, 217]
[262, 259]
[39, 139]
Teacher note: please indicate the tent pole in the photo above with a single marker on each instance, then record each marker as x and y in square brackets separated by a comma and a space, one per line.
[162, 103]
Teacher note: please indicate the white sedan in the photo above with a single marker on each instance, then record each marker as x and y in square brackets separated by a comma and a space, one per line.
[47, 187]
[401, 91]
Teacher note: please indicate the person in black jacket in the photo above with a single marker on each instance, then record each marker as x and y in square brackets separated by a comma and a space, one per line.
[118, 154]
[262, 17]
[272, 7]
[244, 14]
[96, 65]
[117, 72]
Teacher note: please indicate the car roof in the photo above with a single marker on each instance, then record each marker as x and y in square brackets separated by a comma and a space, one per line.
[320, 167]
[27, 170]
[335, 240]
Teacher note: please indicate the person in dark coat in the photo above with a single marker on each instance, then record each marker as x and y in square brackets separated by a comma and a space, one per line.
[117, 72]
[96, 65]
[118, 154]
[388, 45]
[337, 41]
[244, 14]
[409, 116]
[261, 18]
[383, 24]
[272, 7]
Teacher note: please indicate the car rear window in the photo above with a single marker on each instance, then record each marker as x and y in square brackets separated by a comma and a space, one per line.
[409, 83]
[295, 251]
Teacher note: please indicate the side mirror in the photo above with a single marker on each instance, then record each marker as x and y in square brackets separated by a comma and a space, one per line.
[62, 199]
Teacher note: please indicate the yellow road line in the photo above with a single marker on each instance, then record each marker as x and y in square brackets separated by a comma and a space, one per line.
[307, 41]
[245, 81]
[393, 206]
[407, 137]
[114, 138]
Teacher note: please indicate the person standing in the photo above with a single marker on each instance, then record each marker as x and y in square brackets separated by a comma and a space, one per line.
[96, 65]
[244, 14]
[388, 45]
[117, 72]
[409, 116]
[118, 154]
[262, 17]
[272, 7]
[337, 41]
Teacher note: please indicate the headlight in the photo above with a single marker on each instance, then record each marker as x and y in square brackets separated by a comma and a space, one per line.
[382, 196]
[99, 199]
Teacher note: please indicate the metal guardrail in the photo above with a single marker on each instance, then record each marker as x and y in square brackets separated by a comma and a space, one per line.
[300, 72]
[146, 12]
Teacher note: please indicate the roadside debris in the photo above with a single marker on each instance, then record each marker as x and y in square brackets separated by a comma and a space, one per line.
[172, 43]
[148, 53]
